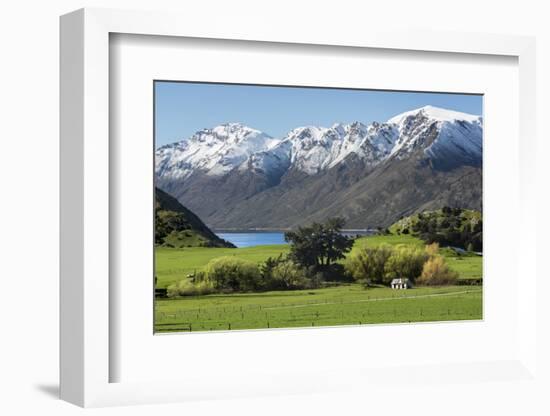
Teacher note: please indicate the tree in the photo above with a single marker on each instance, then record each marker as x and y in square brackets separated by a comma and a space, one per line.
[318, 246]
[288, 275]
[405, 262]
[368, 264]
[436, 272]
[432, 249]
[233, 273]
[266, 268]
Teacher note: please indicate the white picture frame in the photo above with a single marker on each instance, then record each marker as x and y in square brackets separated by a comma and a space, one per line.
[85, 344]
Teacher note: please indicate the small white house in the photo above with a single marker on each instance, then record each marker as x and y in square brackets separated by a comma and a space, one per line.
[401, 283]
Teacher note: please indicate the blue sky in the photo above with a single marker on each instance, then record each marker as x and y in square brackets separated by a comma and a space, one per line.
[182, 108]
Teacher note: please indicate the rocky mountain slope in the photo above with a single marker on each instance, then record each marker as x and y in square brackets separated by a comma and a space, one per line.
[236, 177]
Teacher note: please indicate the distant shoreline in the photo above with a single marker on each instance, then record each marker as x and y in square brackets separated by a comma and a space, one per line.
[282, 230]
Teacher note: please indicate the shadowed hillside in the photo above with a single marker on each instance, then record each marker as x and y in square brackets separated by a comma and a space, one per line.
[176, 226]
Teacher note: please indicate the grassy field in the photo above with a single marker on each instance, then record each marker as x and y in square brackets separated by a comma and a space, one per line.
[342, 305]
[173, 265]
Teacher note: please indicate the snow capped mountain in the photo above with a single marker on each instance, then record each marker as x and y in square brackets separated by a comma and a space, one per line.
[274, 161]
[314, 149]
[434, 113]
[234, 176]
[439, 133]
[213, 151]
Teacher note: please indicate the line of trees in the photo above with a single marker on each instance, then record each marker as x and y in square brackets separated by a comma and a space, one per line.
[450, 228]
[380, 265]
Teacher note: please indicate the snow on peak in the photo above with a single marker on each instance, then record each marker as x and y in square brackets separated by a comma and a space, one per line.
[339, 127]
[228, 130]
[434, 113]
[312, 149]
[214, 151]
[232, 132]
[454, 132]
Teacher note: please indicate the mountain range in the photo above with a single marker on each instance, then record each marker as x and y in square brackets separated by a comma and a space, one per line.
[234, 176]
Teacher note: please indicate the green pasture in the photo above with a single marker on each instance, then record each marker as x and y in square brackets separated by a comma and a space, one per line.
[343, 305]
[174, 264]
[391, 239]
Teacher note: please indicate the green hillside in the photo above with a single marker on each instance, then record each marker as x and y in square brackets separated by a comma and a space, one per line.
[176, 226]
[447, 226]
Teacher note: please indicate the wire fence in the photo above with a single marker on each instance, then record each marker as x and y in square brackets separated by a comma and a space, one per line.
[289, 315]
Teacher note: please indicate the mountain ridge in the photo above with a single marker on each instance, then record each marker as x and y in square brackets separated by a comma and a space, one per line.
[235, 145]
[233, 175]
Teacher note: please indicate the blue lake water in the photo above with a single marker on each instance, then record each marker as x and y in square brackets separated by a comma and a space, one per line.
[251, 239]
[260, 238]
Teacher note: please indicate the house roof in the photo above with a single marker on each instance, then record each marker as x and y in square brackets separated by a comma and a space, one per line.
[400, 280]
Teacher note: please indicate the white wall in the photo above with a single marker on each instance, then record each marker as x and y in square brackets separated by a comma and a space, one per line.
[29, 175]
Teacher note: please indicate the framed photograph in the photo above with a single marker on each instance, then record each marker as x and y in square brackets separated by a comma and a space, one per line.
[274, 213]
[350, 224]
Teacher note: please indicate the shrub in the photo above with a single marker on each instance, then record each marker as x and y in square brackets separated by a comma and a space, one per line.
[266, 268]
[187, 288]
[436, 272]
[432, 249]
[381, 231]
[232, 273]
[287, 275]
[404, 262]
[368, 264]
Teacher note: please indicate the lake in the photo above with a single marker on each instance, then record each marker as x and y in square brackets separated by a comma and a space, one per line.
[260, 238]
[251, 239]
